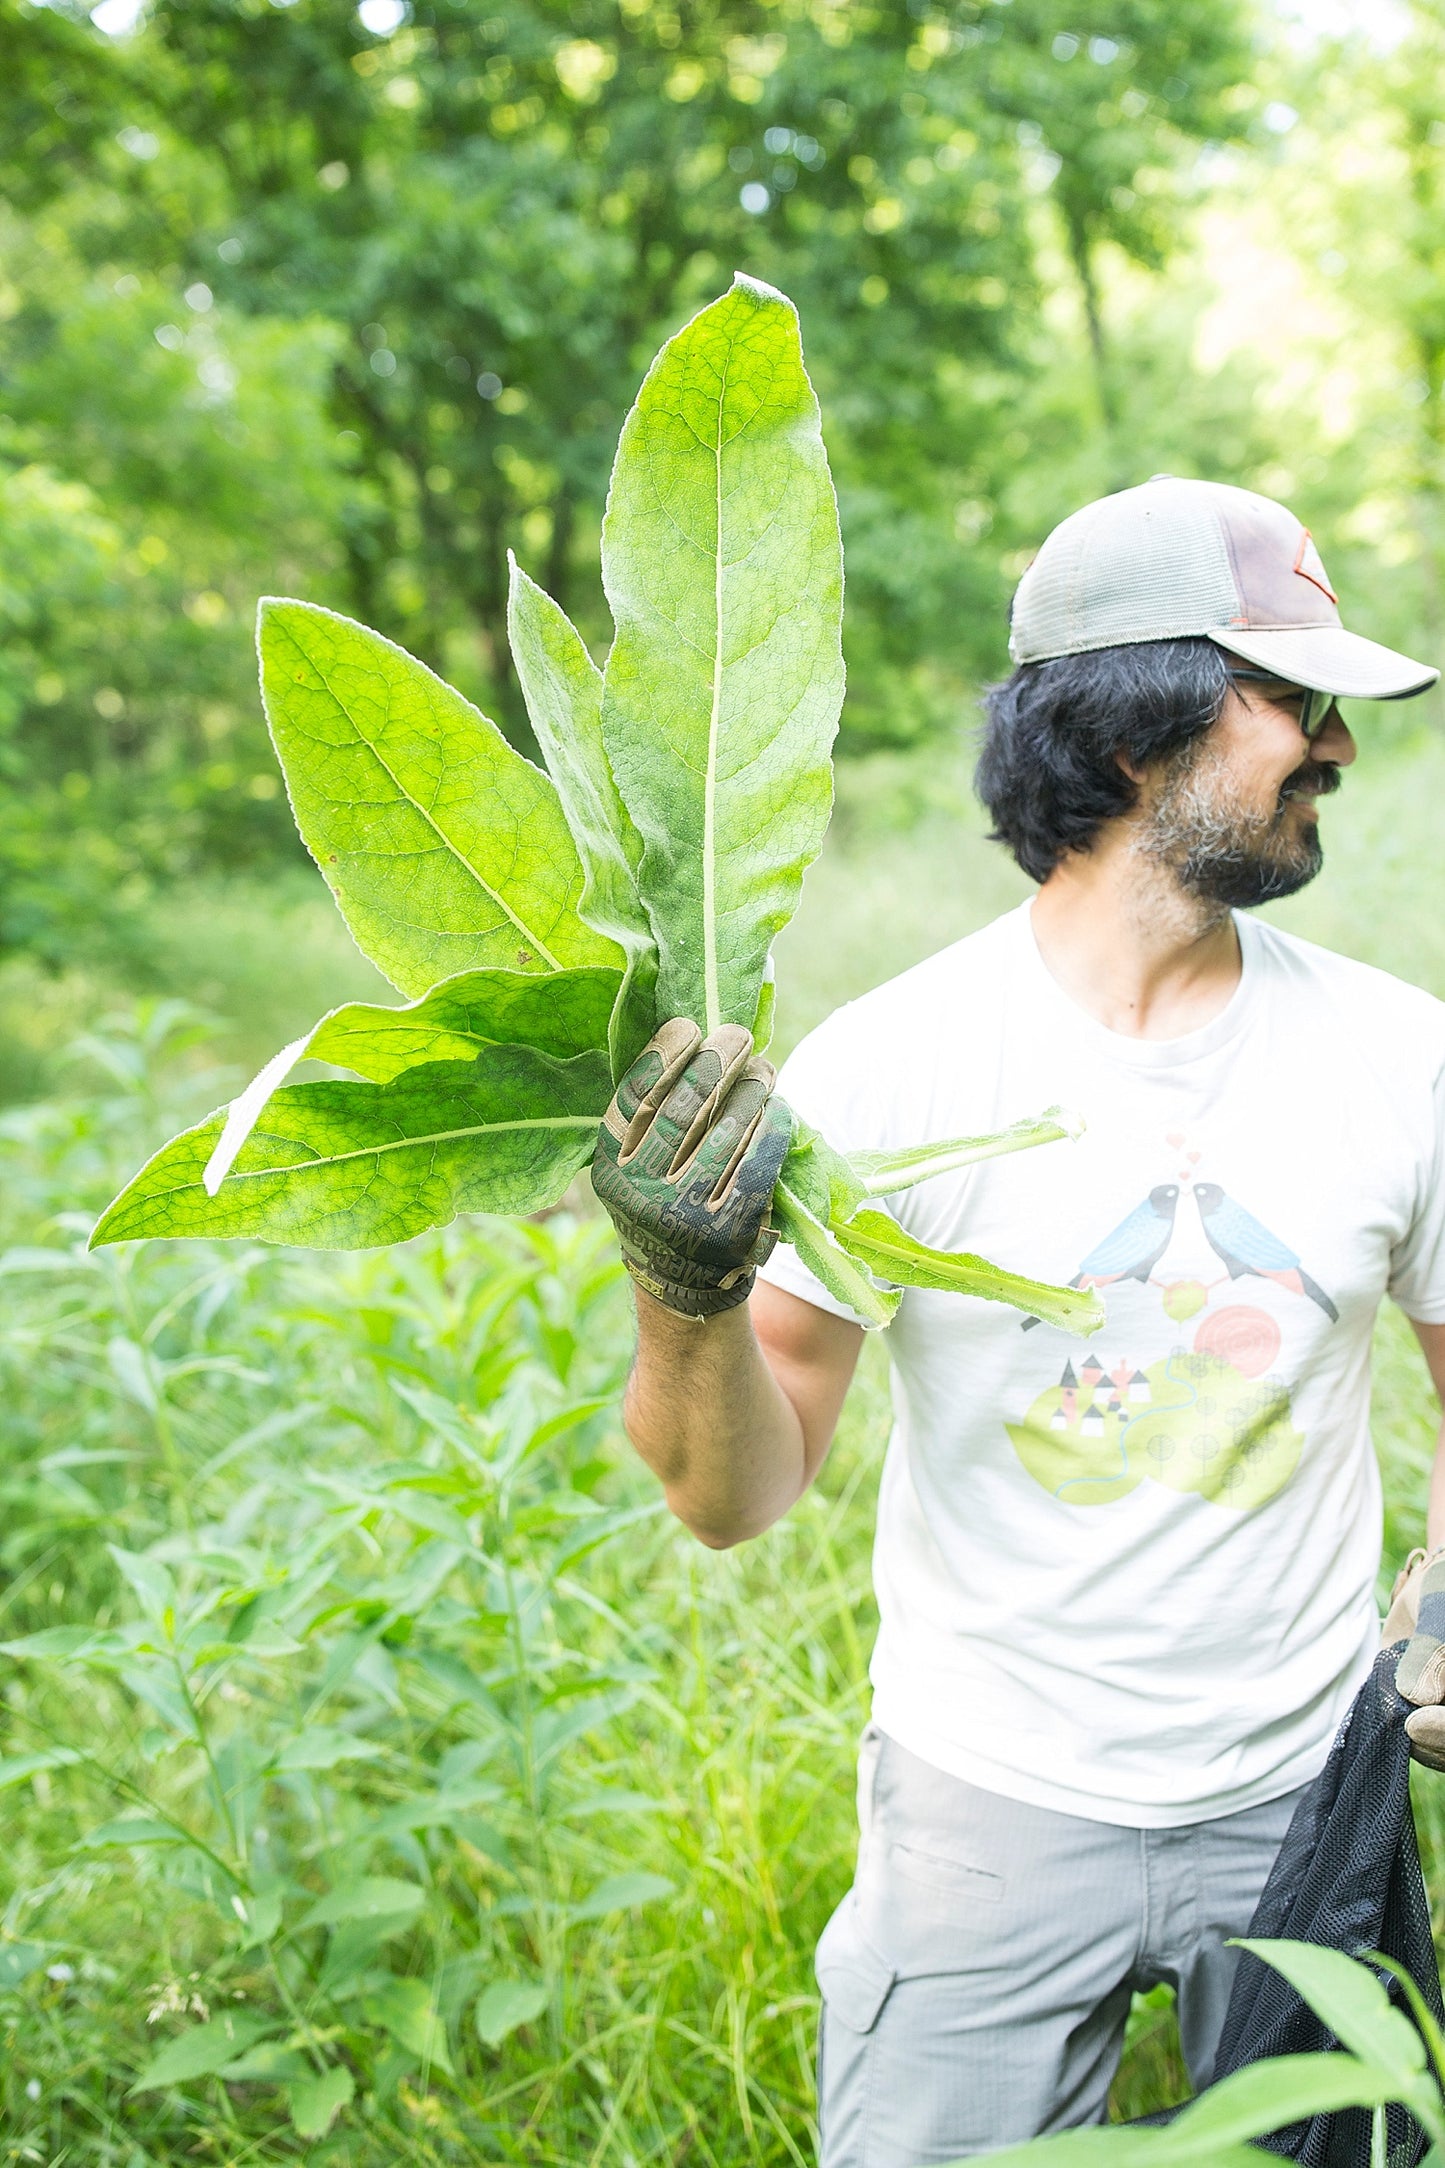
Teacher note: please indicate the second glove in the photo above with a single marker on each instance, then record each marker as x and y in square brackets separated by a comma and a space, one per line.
[1418, 1606]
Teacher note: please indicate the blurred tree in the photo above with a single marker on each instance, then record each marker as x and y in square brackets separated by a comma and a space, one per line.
[1118, 99]
[505, 207]
[350, 300]
[131, 748]
[59, 98]
[1357, 229]
[1408, 89]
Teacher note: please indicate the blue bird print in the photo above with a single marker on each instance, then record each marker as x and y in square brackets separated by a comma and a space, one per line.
[1245, 1247]
[1133, 1248]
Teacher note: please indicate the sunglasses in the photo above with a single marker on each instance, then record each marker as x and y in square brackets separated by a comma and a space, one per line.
[1315, 709]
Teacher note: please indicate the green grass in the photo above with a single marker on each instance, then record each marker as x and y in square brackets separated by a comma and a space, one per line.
[265, 958]
[298, 1441]
[619, 1775]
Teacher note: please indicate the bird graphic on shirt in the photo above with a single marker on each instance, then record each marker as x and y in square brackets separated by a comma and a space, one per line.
[1134, 1247]
[1243, 1246]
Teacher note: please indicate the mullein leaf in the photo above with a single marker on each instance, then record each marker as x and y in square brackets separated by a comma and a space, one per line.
[562, 687]
[876, 1240]
[562, 1014]
[846, 1279]
[445, 850]
[644, 876]
[722, 562]
[885, 1174]
[350, 1166]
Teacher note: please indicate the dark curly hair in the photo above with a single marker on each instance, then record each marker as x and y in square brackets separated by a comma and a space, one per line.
[1049, 770]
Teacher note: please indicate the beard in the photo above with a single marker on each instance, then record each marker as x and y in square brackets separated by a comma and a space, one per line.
[1225, 852]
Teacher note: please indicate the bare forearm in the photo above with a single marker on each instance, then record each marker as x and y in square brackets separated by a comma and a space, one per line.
[707, 1415]
[1435, 1514]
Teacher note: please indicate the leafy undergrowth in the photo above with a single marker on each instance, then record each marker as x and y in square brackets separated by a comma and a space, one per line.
[369, 1735]
[1152, 2073]
[369, 1732]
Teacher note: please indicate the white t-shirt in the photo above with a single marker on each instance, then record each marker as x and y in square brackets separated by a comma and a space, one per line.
[1132, 1578]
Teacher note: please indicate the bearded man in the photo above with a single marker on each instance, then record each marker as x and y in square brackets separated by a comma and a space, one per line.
[1126, 1590]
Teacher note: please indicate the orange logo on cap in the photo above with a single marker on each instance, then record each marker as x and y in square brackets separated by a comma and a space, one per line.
[1316, 578]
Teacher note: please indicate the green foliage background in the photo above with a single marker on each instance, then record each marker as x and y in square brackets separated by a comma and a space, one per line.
[255, 262]
[291, 305]
[617, 1777]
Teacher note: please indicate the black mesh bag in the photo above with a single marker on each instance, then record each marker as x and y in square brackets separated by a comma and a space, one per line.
[1347, 1877]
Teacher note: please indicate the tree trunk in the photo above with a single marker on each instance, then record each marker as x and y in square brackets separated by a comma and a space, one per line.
[1082, 255]
[489, 606]
[557, 577]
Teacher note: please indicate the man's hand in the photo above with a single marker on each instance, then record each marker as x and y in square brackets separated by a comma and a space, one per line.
[1420, 1673]
[688, 1154]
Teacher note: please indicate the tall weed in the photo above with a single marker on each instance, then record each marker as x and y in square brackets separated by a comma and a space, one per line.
[371, 1737]
[369, 1734]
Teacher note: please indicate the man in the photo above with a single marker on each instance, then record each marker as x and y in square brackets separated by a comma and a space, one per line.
[1126, 1588]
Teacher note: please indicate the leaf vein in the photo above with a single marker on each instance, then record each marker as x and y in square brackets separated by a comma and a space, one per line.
[446, 842]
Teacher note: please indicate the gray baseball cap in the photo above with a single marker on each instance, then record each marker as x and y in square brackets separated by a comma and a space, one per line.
[1176, 559]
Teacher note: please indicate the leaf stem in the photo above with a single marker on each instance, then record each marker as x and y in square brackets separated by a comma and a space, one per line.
[410, 1144]
[712, 997]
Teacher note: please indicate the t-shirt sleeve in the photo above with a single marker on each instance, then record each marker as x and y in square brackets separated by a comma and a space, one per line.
[1417, 1267]
[825, 1082]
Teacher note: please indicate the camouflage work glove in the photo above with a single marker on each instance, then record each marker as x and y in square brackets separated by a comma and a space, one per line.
[686, 1160]
[1418, 1608]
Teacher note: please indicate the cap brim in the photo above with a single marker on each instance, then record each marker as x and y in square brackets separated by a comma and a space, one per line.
[1328, 659]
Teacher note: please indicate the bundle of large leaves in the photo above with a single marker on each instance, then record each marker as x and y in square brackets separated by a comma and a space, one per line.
[544, 924]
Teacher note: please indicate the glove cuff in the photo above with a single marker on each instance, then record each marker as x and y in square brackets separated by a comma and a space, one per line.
[685, 1301]
[687, 1288]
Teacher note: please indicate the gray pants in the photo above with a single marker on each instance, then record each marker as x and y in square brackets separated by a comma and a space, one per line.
[976, 1979]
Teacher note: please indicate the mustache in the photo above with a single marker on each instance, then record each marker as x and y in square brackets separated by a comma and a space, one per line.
[1313, 779]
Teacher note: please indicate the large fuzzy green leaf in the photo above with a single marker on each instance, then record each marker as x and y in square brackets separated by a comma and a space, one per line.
[819, 1177]
[445, 849]
[821, 1208]
[876, 1240]
[562, 687]
[562, 1014]
[885, 1174]
[646, 876]
[799, 1222]
[723, 566]
[350, 1166]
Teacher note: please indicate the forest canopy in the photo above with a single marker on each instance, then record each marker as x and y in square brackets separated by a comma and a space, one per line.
[348, 301]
